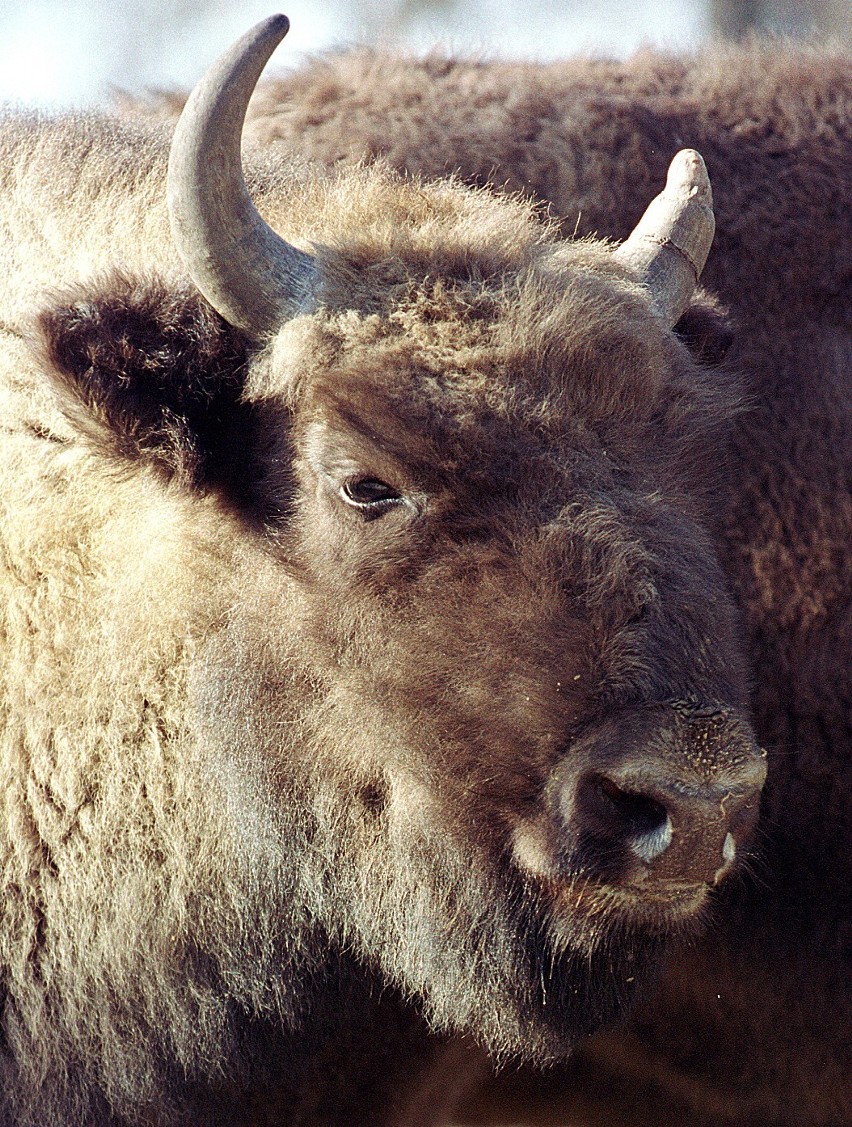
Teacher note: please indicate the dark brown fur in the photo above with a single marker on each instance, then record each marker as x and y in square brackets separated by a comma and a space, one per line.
[267, 764]
[751, 1027]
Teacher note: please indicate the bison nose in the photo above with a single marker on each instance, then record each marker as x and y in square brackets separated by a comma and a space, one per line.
[632, 824]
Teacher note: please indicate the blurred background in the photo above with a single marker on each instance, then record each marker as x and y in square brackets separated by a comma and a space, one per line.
[58, 53]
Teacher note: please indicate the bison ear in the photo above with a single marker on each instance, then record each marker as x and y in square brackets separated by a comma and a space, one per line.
[706, 329]
[153, 375]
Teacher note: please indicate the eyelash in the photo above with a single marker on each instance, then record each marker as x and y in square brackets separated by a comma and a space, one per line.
[370, 495]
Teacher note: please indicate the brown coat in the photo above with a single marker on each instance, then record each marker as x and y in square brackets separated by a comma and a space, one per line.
[752, 1026]
[276, 765]
[333, 662]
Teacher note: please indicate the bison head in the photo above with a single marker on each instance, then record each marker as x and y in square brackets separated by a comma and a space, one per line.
[475, 680]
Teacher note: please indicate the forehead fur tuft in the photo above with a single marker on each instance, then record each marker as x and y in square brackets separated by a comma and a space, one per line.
[371, 217]
[473, 287]
[559, 327]
[462, 321]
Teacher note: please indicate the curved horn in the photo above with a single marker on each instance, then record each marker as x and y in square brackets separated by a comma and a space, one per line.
[671, 241]
[249, 274]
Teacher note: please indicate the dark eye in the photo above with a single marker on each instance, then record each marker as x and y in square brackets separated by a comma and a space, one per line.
[369, 494]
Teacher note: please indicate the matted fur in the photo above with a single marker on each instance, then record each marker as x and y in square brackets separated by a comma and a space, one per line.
[278, 781]
[234, 779]
[751, 1027]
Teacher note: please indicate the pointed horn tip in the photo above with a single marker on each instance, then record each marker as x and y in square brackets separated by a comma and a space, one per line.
[251, 276]
[258, 43]
[687, 176]
[278, 23]
[268, 32]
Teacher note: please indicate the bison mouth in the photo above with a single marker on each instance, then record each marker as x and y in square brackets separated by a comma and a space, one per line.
[650, 812]
[593, 931]
[589, 907]
[591, 891]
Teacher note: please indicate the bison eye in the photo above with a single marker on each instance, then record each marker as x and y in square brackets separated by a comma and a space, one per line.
[371, 496]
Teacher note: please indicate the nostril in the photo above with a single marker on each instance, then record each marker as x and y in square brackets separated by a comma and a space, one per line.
[641, 821]
[650, 844]
[729, 855]
[640, 813]
[656, 810]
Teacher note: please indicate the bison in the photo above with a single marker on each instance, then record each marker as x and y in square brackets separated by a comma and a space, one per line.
[370, 670]
[750, 1025]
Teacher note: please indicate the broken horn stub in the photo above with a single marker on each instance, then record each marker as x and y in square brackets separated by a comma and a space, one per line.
[669, 245]
[250, 275]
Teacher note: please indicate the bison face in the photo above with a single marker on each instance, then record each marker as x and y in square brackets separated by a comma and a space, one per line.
[475, 681]
[501, 539]
[477, 669]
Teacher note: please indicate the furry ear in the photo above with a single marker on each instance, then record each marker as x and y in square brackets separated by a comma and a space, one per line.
[706, 329]
[152, 374]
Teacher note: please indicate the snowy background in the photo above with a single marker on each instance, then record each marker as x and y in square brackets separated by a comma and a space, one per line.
[73, 52]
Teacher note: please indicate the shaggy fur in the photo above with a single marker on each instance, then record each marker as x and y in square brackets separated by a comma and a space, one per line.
[281, 779]
[752, 1026]
[591, 138]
